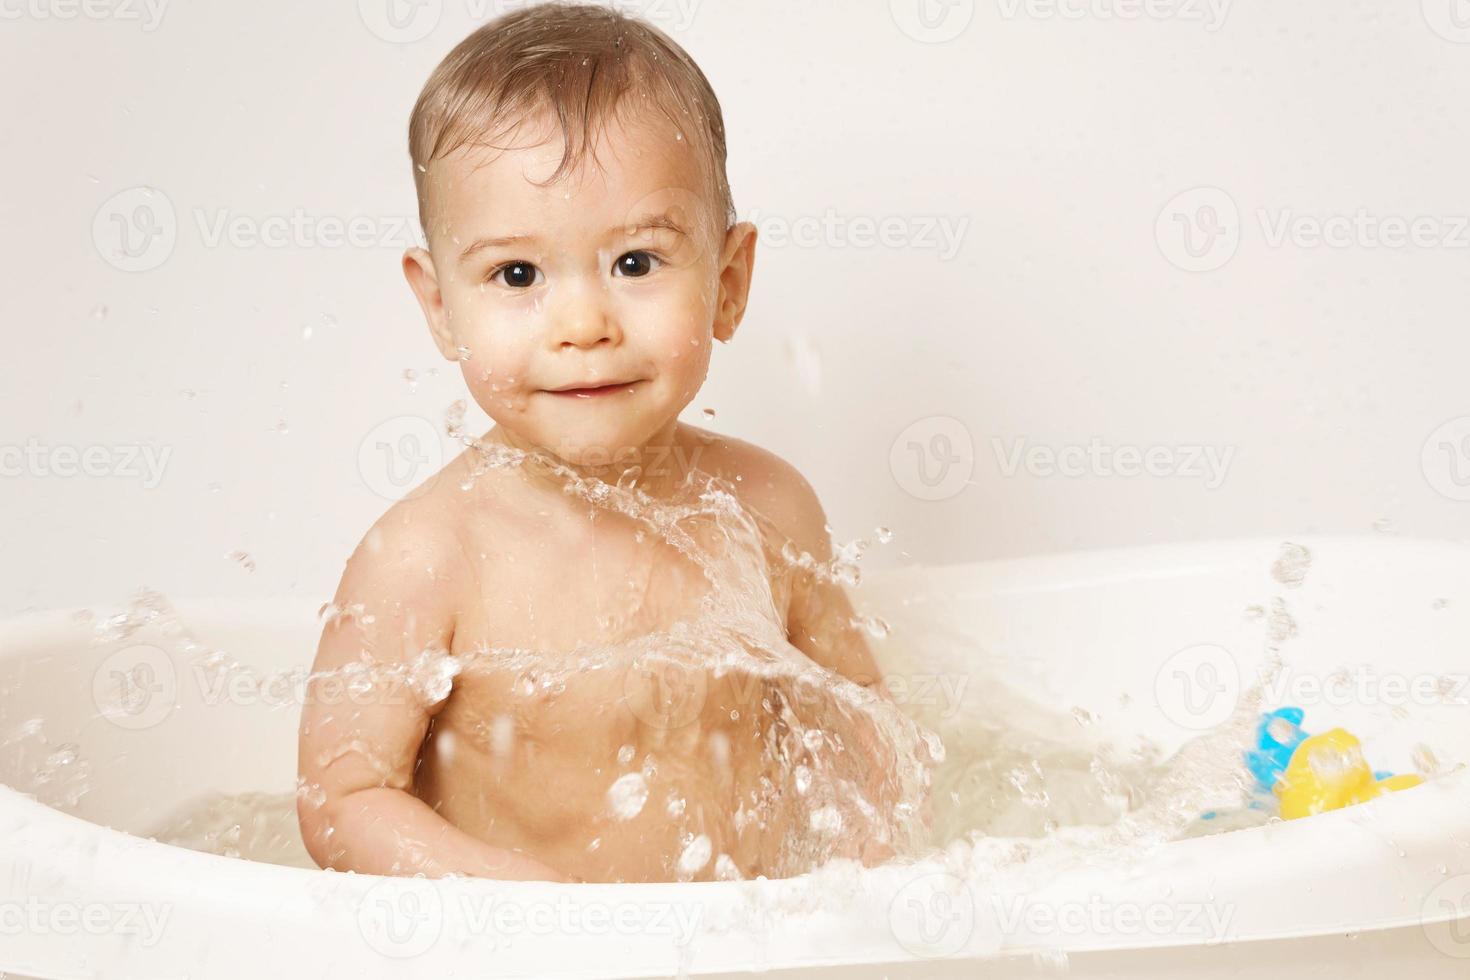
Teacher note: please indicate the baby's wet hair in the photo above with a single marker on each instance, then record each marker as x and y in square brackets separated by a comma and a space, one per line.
[582, 63]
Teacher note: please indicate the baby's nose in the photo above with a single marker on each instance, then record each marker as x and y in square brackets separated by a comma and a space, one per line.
[582, 318]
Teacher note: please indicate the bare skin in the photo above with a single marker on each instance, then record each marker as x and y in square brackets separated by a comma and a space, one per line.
[497, 780]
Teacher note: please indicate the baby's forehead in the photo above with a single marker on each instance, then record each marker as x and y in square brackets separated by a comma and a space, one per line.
[627, 164]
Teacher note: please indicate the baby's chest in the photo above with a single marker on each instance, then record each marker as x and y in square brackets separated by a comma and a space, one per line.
[616, 586]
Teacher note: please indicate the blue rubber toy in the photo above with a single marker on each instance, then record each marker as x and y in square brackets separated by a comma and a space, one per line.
[1278, 734]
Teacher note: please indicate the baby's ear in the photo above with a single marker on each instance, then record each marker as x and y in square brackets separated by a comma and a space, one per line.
[737, 265]
[418, 269]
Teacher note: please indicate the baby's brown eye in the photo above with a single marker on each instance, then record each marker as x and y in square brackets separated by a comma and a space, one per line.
[517, 275]
[635, 264]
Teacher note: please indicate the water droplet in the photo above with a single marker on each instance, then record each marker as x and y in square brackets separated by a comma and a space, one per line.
[725, 869]
[502, 736]
[626, 796]
[883, 534]
[826, 821]
[1292, 565]
[802, 777]
[807, 361]
[708, 414]
[463, 354]
[695, 856]
[1424, 759]
[431, 675]
[243, 558]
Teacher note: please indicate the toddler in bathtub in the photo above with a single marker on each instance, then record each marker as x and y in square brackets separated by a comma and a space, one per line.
[582, 256]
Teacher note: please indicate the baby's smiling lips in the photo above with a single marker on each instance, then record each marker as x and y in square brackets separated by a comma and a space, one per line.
[592, 389]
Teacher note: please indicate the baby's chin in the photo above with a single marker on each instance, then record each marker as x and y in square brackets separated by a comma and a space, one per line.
[596, 445]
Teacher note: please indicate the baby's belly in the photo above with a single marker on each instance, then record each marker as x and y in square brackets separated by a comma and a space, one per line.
[627, 772]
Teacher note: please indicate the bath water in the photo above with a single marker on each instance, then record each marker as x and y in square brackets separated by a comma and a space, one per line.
[1007, 784]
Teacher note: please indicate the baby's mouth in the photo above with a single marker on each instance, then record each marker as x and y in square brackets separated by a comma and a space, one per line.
[593, 390]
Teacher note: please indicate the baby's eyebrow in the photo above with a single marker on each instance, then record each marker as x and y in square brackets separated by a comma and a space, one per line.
[644, 223]
[484, 243]
[650, 221]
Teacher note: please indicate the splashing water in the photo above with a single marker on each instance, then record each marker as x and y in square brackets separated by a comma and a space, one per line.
[837, 765]
[748, 758]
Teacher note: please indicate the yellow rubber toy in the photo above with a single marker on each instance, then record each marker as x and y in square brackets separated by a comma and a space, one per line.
[1327, 772]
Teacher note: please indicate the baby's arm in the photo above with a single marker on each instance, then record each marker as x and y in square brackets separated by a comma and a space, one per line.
[358, 748]
[819, 619]
[819, 623]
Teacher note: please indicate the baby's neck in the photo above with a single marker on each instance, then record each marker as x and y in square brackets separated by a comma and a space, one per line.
[659, 468]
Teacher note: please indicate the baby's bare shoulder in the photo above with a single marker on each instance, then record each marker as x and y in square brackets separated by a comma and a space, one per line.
[421, 533]
[768, 485]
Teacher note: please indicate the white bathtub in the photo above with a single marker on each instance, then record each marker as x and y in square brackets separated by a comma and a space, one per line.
[1355, 892]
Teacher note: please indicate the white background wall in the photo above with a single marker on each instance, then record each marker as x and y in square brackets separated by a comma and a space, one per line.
[1064, 315]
